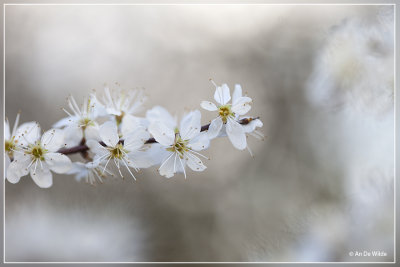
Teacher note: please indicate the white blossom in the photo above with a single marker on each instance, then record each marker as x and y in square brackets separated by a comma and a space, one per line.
[179, 146]
[81, 122]
[127, 153]
[228, 114]
[89, 171]
[38, 157]
[123, 105]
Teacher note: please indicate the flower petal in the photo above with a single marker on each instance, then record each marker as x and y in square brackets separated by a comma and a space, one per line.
[92, 132]
[42, 176]
[215, 128]
[237, 93]
[53, 139]
[18, 168]
[194, 162]
[199, 142]
[242, 105]
[252, 125]
[136, 139]
[167, 166]
[65, 122]
[207, 105]
[28, 135]
[72, 135]
[222, 94]
[159, 113]
[140, 160]
[129, 124]
[58, 162]
[190, 125]
[95, 147]
[162, 133]
[109, 133]
[236, 134]
[7, 134]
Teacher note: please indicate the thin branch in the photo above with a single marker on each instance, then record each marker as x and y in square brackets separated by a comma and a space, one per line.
[83, 149]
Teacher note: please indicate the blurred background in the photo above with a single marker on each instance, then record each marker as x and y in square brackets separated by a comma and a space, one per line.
[320, 184]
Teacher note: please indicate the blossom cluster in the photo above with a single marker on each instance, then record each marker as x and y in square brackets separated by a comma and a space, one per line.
[107, 129]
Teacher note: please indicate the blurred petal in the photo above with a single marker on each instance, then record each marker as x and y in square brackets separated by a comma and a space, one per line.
[222, 94]
[136, 139]
[17, 169]
[190, 125]
[236, 134]
[58, 162]
[29, 135]
[207, 105]
[242, 105]
[200, 142]
[96, 148]
[53, 139]
[7, 134]
[194, 162]
[252, 125]
[109, 133]
[167, 167]
[159, 113]
[162, 133]
[215, 128]
[42, 176]
[129, 124]
[237, 93]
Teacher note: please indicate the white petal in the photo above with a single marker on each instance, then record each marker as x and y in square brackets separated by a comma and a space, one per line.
[155, 153]
[92, 132]
[79, 169]
[98, 109]
[42, 176]
[162, 133]
[237, 93]
[29, 135]
[109, 133]
[222, 94]
[159, 113]
[53, 139]
[58, 162]
[25, 128]
[129, 124]
[242, 105]
[236, 134]
[167, 166]
[194, 162]
[17, 169]
[207, 105]
[7, 162]
[200, 142]
[190, 125]
[72, 135]
[7, 134]
[215, 128]
[96, 148]
[140, 160]
[65, 122]
[136, 139]
[252, 125]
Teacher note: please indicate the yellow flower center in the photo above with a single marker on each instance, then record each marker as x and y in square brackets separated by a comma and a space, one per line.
[85, 122]
[225, 112]
[10, 146]
[118, 151]
[37, 152]
[179, 146]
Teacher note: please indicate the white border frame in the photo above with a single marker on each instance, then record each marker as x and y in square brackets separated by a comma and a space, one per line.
[169, 4]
